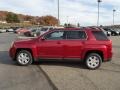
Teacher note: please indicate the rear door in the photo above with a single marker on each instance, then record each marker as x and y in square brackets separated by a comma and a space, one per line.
[74, 44]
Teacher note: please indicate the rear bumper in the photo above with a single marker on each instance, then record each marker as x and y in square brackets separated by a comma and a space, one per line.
[107, 60]
[108, 56]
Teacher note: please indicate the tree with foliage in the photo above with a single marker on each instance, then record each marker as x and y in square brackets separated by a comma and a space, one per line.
[28, 18]
[12, 18]
[47, 21]
[65, 25]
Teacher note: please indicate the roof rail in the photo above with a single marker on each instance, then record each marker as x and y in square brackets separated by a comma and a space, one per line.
[95, 27]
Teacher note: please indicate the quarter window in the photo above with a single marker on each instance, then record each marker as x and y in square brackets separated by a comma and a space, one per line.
[99, 35]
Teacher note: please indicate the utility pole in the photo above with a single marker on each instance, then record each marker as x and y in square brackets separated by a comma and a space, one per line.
[58, 12]
[99, 1]
[114, 16]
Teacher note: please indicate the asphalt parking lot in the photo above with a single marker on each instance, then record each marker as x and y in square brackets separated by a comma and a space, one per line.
[57, 75]
[14, 77]
[74, 76]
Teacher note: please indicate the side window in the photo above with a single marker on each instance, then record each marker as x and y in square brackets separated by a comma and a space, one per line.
[57, 35]
[50, 28]
[44, 29]
[99, 35]
[76, 35]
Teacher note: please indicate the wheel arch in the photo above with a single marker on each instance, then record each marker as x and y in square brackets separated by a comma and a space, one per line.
[94, 51]
[20, 49]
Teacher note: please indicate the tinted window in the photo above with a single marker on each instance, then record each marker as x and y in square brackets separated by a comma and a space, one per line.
[34, 30]
[99, 35]
[44, 29]
[106, 29]
[76, 35]
[50, 28]
[55, 35]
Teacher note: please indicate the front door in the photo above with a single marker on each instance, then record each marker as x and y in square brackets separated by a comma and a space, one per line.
[51, 46]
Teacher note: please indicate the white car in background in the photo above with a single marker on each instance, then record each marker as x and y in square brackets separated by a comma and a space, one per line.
[107, 31]
[2, 30]
[10, 30]
[118, 31]
[45, 29]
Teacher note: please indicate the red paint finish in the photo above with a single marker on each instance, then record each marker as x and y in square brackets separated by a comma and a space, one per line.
[73, 48]
[50, 49]
[65, 48]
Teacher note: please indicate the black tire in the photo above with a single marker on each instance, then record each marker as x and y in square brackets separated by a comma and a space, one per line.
[92, 64]
[25, 52]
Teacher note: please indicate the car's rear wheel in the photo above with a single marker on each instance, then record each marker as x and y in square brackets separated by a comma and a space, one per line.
[93, 61]
[24, 58]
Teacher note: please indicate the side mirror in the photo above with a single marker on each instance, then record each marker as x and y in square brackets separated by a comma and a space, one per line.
[42, 38]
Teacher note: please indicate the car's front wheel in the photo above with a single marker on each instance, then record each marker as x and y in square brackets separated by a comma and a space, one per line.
[93, 61]
[24, 58]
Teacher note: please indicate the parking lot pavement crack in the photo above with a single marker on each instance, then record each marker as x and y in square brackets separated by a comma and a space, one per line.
[47, 77]
[118, 65]
[108, 70]
[90, 81]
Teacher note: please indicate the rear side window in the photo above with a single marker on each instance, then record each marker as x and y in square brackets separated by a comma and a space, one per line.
[99, 35]
[76, 35]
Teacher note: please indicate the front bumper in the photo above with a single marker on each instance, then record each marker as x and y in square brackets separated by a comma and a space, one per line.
[12, 53]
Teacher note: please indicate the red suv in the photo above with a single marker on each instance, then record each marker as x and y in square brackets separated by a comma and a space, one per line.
[88, 44]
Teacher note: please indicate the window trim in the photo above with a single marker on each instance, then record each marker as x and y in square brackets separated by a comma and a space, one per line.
[78, 39]
[50, 33]
[66, 36]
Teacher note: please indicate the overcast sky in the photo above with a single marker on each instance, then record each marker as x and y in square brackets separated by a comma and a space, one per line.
[73, 11]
